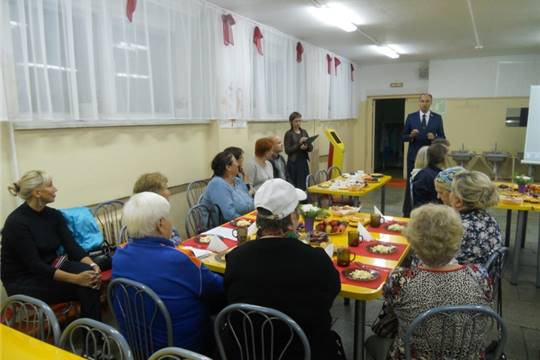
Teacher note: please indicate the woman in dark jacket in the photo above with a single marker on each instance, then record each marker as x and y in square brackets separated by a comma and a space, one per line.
[423, 185]
[297, 149]
[31, 237]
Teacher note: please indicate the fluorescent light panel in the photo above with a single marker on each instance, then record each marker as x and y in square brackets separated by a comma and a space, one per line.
[337, 16]
[388, 51]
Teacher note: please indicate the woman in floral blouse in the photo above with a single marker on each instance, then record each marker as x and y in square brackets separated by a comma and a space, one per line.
[472, 193]
[434, 233]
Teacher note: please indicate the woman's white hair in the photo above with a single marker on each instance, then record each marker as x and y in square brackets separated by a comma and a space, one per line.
[142, 213]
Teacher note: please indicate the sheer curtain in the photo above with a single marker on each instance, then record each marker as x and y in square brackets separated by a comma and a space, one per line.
[75, 60]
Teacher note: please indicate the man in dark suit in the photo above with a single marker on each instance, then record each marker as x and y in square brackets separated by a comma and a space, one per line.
[421, 127]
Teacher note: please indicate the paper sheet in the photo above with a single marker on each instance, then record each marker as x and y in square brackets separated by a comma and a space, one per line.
[199, 253]
[221, 231]
[330, 250]
[362, 231]
[216, 245]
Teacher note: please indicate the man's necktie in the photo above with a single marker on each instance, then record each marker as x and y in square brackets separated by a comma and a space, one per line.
[423, 121]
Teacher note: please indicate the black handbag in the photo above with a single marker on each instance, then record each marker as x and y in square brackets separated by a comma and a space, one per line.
[103, 256]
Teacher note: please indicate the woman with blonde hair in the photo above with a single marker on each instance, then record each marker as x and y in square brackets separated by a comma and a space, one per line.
[419, 163]
[472, 193]
[434, 233]
[157, 183]
[31, 236]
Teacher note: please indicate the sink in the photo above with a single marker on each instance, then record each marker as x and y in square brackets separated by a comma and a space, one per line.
[496, 158]
[462, 156]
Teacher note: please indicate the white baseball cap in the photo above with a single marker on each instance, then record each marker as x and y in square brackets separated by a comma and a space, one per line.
[279, 197]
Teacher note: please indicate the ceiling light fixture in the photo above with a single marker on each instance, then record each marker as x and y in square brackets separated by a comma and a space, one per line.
[388, 51]
[478, 45]
[335, 15]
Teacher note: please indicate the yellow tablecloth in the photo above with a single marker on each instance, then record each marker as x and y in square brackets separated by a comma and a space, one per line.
[15, 345]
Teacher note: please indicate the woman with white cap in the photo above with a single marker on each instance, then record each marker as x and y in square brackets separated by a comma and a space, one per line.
[284, 273]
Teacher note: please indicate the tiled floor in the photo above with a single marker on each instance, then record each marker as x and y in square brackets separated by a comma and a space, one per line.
[521, 303]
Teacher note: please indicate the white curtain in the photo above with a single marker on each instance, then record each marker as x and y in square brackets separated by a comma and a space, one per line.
[66, 60]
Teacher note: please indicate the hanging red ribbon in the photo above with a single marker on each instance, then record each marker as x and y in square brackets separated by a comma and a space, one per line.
[352, 72]
[337, 62]
[130, 9]
[228, 22]
[329, 63]
[257, 39]
[299, 52]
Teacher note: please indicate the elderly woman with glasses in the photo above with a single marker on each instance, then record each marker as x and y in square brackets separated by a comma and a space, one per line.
[187, 287]
[471, 194]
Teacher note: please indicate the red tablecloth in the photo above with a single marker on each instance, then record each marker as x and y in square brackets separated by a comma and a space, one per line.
[373, 284]
[383, 228]
[361, 250]
[191, 242]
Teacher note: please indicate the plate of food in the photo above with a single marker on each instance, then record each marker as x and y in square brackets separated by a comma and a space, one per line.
[360, 273]
[376, 175]
[395, 226]
[511, 199]
[332, 227]
[318, 239]
[354, 220]
[344, 210]
[205, 239]
[325, 185]
[381, 249]
[531, 199]
[241, 222]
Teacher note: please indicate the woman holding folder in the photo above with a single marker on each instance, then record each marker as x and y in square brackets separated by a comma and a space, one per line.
[297, 146]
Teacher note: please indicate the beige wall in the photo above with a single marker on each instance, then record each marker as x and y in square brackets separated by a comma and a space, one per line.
[91, 165]
[476, 122]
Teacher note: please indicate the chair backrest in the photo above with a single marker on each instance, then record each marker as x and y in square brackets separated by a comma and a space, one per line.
[333, 171]
[32, 317]
[194, 191]
[320, 176]
[92, 339]
[495, 268]
[109, 218]
[122, 235]
[216, 217]
[247, 331]
[176, 353]
[140, 315]
[197, 220]
[454, 332]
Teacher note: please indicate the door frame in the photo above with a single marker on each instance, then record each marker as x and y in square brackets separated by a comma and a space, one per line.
[371, 125]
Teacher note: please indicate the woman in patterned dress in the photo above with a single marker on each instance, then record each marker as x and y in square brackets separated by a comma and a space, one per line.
[472, 193]
[434, 233]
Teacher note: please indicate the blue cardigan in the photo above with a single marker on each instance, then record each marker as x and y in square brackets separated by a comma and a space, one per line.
[183, 283]
[233, 201]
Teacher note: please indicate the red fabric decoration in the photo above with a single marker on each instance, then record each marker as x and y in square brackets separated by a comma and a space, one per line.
[352, 72]
[130, 9]
[257, 39]
[329, 63]
[299, 52]
[337, 62]
[228, 22]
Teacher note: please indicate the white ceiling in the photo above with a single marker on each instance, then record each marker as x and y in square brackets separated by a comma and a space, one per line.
[420, 30]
